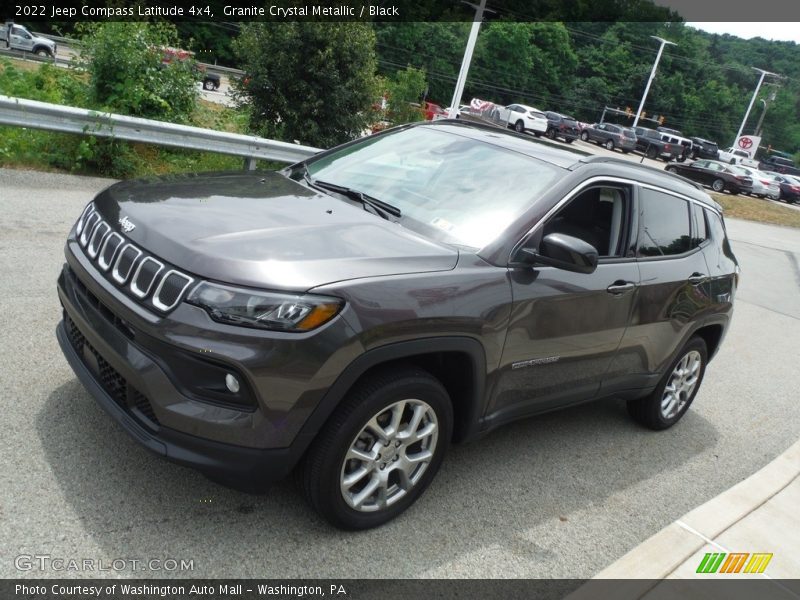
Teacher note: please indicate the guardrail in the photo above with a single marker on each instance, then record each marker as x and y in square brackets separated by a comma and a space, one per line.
[19, 112]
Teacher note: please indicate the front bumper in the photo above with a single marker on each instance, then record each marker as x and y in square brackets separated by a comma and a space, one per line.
[214, 458]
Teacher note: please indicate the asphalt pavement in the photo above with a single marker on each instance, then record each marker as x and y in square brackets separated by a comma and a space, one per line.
[563, 495]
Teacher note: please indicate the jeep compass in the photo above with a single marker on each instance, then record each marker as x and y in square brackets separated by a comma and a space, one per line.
[349, 317]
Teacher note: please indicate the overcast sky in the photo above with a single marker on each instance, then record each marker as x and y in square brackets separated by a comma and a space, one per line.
[771, 31]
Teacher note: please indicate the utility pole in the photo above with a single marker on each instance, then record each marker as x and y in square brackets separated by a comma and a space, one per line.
[462, 75]
[764, 112]
[652, 75]
[752, 100]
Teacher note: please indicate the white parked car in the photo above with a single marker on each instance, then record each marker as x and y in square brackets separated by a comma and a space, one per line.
[523, 118]
[734, 156]
[764, 184]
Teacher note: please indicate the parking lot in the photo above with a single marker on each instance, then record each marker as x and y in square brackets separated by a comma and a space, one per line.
[562, 495]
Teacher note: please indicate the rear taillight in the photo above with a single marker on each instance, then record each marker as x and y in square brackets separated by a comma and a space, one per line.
[795, 188]
[666, 147]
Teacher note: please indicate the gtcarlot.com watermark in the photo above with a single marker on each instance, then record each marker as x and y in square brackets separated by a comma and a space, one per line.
[48, 562]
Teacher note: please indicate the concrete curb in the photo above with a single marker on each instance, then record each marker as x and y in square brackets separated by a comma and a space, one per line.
[658, 556]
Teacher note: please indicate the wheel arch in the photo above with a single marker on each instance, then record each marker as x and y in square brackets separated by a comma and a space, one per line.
[712, 335]
[459, 363]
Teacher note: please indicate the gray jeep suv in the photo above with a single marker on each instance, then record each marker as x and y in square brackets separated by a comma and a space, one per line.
[350, 316]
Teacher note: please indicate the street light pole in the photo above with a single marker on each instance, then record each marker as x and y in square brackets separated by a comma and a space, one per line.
[462, 75]
[752, 100]
[652, 75]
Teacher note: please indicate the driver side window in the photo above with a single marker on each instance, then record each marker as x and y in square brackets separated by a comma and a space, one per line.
[599, 216]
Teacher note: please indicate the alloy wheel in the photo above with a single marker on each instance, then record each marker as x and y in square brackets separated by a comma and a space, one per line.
[389, 455]
[681, 384]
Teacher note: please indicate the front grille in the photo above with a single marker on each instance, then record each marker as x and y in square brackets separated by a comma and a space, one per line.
[142, 276]
[115, 385]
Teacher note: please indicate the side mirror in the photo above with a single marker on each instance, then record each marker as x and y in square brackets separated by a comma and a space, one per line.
[564, 252]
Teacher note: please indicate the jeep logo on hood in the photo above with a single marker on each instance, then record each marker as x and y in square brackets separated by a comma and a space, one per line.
[126, 225]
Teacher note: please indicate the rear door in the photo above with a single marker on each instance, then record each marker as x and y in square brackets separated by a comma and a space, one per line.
[674, 289]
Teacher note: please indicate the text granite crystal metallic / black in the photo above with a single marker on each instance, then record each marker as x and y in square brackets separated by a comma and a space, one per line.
[352, 315]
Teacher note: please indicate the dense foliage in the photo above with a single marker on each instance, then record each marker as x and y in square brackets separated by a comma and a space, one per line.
[306, 81]
[127, 75]
[703, 85]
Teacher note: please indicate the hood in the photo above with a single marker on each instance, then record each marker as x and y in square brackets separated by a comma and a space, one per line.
[264, 230]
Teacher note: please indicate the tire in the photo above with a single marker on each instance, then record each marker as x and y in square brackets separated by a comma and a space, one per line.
[661, 408]
[569, 140]
[609, 145]
[718, 185]
[326, 465]
[519, 126]
[584, 136]
[551, 133]
[208, 85]
[626, 151]
[733, 161]
[43, 52]
[672, 169]
[652, 153]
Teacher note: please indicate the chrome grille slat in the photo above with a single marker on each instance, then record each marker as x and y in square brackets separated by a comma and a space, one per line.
[115, 273]
[131, 268]
[135, 288]
[97, 239]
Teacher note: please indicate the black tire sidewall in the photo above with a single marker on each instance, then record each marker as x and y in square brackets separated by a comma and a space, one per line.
[651, 404]
[325, 491]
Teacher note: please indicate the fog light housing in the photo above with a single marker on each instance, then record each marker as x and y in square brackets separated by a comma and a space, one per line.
[232, 383]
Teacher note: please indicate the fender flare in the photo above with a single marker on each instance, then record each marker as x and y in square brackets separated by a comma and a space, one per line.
[471, 410]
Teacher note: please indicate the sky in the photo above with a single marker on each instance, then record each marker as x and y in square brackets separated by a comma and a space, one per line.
[788, 31]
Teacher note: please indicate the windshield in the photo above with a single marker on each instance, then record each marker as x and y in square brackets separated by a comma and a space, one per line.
[449, 187]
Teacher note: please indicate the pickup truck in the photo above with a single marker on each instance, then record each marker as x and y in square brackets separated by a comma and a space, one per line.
[17, 37]
[649, 143]
[778, 164]
[673, 136]
[734, 156]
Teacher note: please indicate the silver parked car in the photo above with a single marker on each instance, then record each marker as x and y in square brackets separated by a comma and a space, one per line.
[764, 184]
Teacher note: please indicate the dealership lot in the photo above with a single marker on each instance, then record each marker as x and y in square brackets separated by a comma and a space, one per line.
[562, 495]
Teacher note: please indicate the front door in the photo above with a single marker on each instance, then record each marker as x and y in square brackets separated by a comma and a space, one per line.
[565, 327]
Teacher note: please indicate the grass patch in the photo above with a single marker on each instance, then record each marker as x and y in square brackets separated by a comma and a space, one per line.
[755, 209]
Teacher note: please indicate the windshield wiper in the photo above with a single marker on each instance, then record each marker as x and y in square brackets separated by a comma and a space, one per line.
[381, 208]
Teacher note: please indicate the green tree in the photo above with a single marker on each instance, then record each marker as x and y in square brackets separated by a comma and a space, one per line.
[402, 91]
[126, 73]
[311, 82]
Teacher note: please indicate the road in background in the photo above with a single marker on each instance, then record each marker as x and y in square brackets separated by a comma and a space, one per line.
[561, 495]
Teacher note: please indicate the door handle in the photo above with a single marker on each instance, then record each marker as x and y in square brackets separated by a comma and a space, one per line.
[697, 278]
[620, 287]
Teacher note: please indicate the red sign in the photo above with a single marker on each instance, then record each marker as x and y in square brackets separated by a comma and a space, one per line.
[745, 143]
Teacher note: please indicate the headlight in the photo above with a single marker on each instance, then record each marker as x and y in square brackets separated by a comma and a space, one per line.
[264, 310]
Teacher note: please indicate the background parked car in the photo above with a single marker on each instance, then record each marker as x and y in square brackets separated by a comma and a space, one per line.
[649, 143]
[734, 156]
[764, 184]
[716, 175]
[704, 149]
[523, 118]
[673, 136]
[790, 188]
[778, 164]
[562, 126]
[611, 136]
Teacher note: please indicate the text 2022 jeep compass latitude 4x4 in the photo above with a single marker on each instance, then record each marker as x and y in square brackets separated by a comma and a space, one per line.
[353, 314]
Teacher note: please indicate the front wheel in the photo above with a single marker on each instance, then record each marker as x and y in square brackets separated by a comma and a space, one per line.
[43, 52]
[584, 136]
[551, 133]
[672, 170]
[208, 85]
[717, 185]
[380, 450]
[675, 392]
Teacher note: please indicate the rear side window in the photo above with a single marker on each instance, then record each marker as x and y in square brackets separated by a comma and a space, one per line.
[700, 234]
[664, 224]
